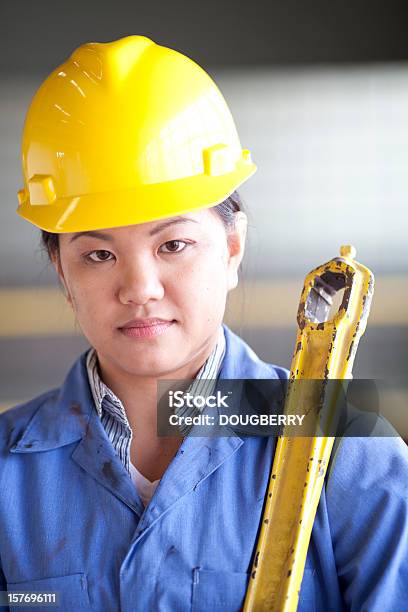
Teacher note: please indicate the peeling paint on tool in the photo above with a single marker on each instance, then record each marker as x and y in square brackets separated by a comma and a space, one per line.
[301, 322]
[256, 559]
[350, 353]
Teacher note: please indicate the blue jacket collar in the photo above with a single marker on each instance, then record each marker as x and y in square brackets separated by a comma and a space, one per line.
[62, 417]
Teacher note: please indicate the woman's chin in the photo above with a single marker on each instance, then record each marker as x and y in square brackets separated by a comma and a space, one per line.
[148, 363]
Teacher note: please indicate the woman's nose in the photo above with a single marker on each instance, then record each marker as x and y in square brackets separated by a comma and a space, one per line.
[140, 284]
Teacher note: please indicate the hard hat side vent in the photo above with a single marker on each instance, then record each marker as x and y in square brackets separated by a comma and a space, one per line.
[218, 160]
[41, 189]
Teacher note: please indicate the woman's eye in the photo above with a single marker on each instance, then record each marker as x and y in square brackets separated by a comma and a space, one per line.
[173, 246]
[99, 256]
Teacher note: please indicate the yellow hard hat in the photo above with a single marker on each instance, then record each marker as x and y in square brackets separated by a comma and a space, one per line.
[127, 132]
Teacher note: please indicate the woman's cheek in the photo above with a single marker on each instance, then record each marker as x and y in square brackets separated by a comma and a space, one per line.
[88, 302]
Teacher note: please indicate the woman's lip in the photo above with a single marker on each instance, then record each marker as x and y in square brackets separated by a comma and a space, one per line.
[146, 331]
[145, 323]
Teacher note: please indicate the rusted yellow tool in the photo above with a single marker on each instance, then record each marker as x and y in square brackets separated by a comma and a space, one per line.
[325, 349]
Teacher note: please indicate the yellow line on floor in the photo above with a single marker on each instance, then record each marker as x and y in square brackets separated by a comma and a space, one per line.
[33, 312]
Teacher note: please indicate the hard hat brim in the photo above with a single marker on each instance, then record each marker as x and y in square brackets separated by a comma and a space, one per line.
[133, 206]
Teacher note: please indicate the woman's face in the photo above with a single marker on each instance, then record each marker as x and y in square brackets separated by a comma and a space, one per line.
[176, 272]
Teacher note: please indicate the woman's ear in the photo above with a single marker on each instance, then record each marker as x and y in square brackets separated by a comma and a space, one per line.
[236, 247]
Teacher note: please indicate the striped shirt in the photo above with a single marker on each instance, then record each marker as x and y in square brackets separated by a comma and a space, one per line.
[113, 414]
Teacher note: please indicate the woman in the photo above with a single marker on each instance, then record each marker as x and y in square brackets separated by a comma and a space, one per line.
[131, 163]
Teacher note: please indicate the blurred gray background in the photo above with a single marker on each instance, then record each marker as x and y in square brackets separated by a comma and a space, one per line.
[319, 92]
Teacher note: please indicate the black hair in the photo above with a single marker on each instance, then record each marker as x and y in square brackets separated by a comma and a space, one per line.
[225, 210]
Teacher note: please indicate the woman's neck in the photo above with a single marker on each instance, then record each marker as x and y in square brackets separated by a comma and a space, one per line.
[149, 453]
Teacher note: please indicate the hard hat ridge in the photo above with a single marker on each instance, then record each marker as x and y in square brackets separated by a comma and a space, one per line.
[116, 59]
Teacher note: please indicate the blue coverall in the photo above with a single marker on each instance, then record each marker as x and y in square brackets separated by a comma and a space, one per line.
[71, 520]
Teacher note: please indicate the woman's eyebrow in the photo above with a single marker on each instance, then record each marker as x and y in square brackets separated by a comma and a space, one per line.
[93, 234]
[173, 221]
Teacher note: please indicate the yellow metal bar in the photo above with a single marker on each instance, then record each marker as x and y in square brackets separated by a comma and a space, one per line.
[325, 349]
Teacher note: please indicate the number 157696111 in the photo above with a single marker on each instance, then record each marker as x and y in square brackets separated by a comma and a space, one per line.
[28, 598]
